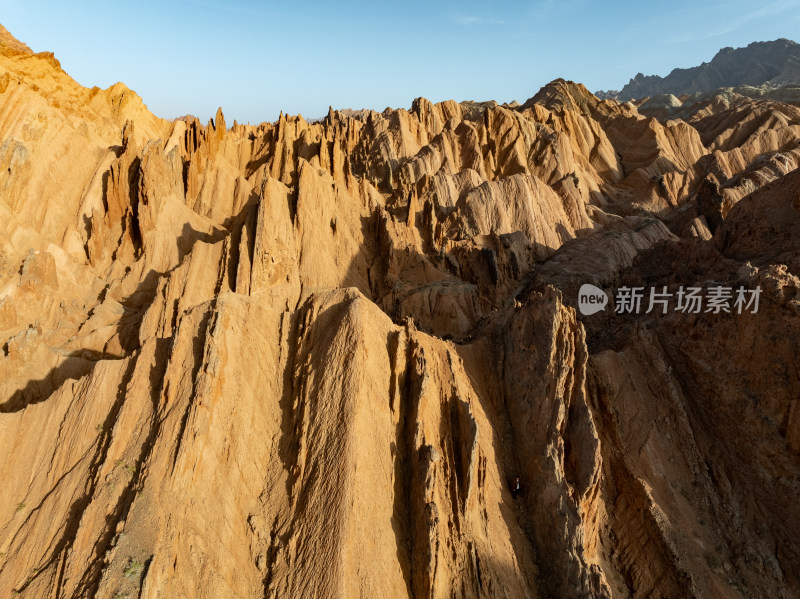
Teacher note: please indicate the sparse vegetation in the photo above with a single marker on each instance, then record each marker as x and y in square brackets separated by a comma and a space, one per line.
[20, 506]
[133, 569]
[125, 466]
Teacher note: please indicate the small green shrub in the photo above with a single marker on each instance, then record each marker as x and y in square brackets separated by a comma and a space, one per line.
[133, 569]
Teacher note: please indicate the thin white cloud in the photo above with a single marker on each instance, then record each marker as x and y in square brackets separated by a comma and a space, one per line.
[769, 10]
[773, 9]
[467, 20]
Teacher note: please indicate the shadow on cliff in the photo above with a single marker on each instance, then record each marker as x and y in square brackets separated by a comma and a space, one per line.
[485, 270]
[81, 362]
[76, 365]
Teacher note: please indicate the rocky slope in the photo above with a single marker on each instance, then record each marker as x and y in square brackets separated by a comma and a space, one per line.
[311, 359]
[765, 65]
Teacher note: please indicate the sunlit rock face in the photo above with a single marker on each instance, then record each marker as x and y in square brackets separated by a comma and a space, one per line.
[344, 358]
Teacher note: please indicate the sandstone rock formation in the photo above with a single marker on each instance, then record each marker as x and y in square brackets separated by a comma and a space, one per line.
[310, 359]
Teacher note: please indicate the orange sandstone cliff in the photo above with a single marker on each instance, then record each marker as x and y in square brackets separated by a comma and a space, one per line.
[310, 359]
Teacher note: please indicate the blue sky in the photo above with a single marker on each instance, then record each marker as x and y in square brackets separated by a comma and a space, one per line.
[256, 59]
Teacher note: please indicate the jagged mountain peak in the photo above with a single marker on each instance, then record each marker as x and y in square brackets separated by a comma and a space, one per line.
[771, 64]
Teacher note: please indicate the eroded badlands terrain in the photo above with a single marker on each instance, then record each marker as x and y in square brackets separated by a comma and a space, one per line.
[309, 359]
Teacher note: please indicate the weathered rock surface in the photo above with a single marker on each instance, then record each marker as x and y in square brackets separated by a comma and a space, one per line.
[311, 359]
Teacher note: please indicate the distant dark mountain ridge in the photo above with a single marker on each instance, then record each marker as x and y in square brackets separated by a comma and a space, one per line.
[769, 64]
